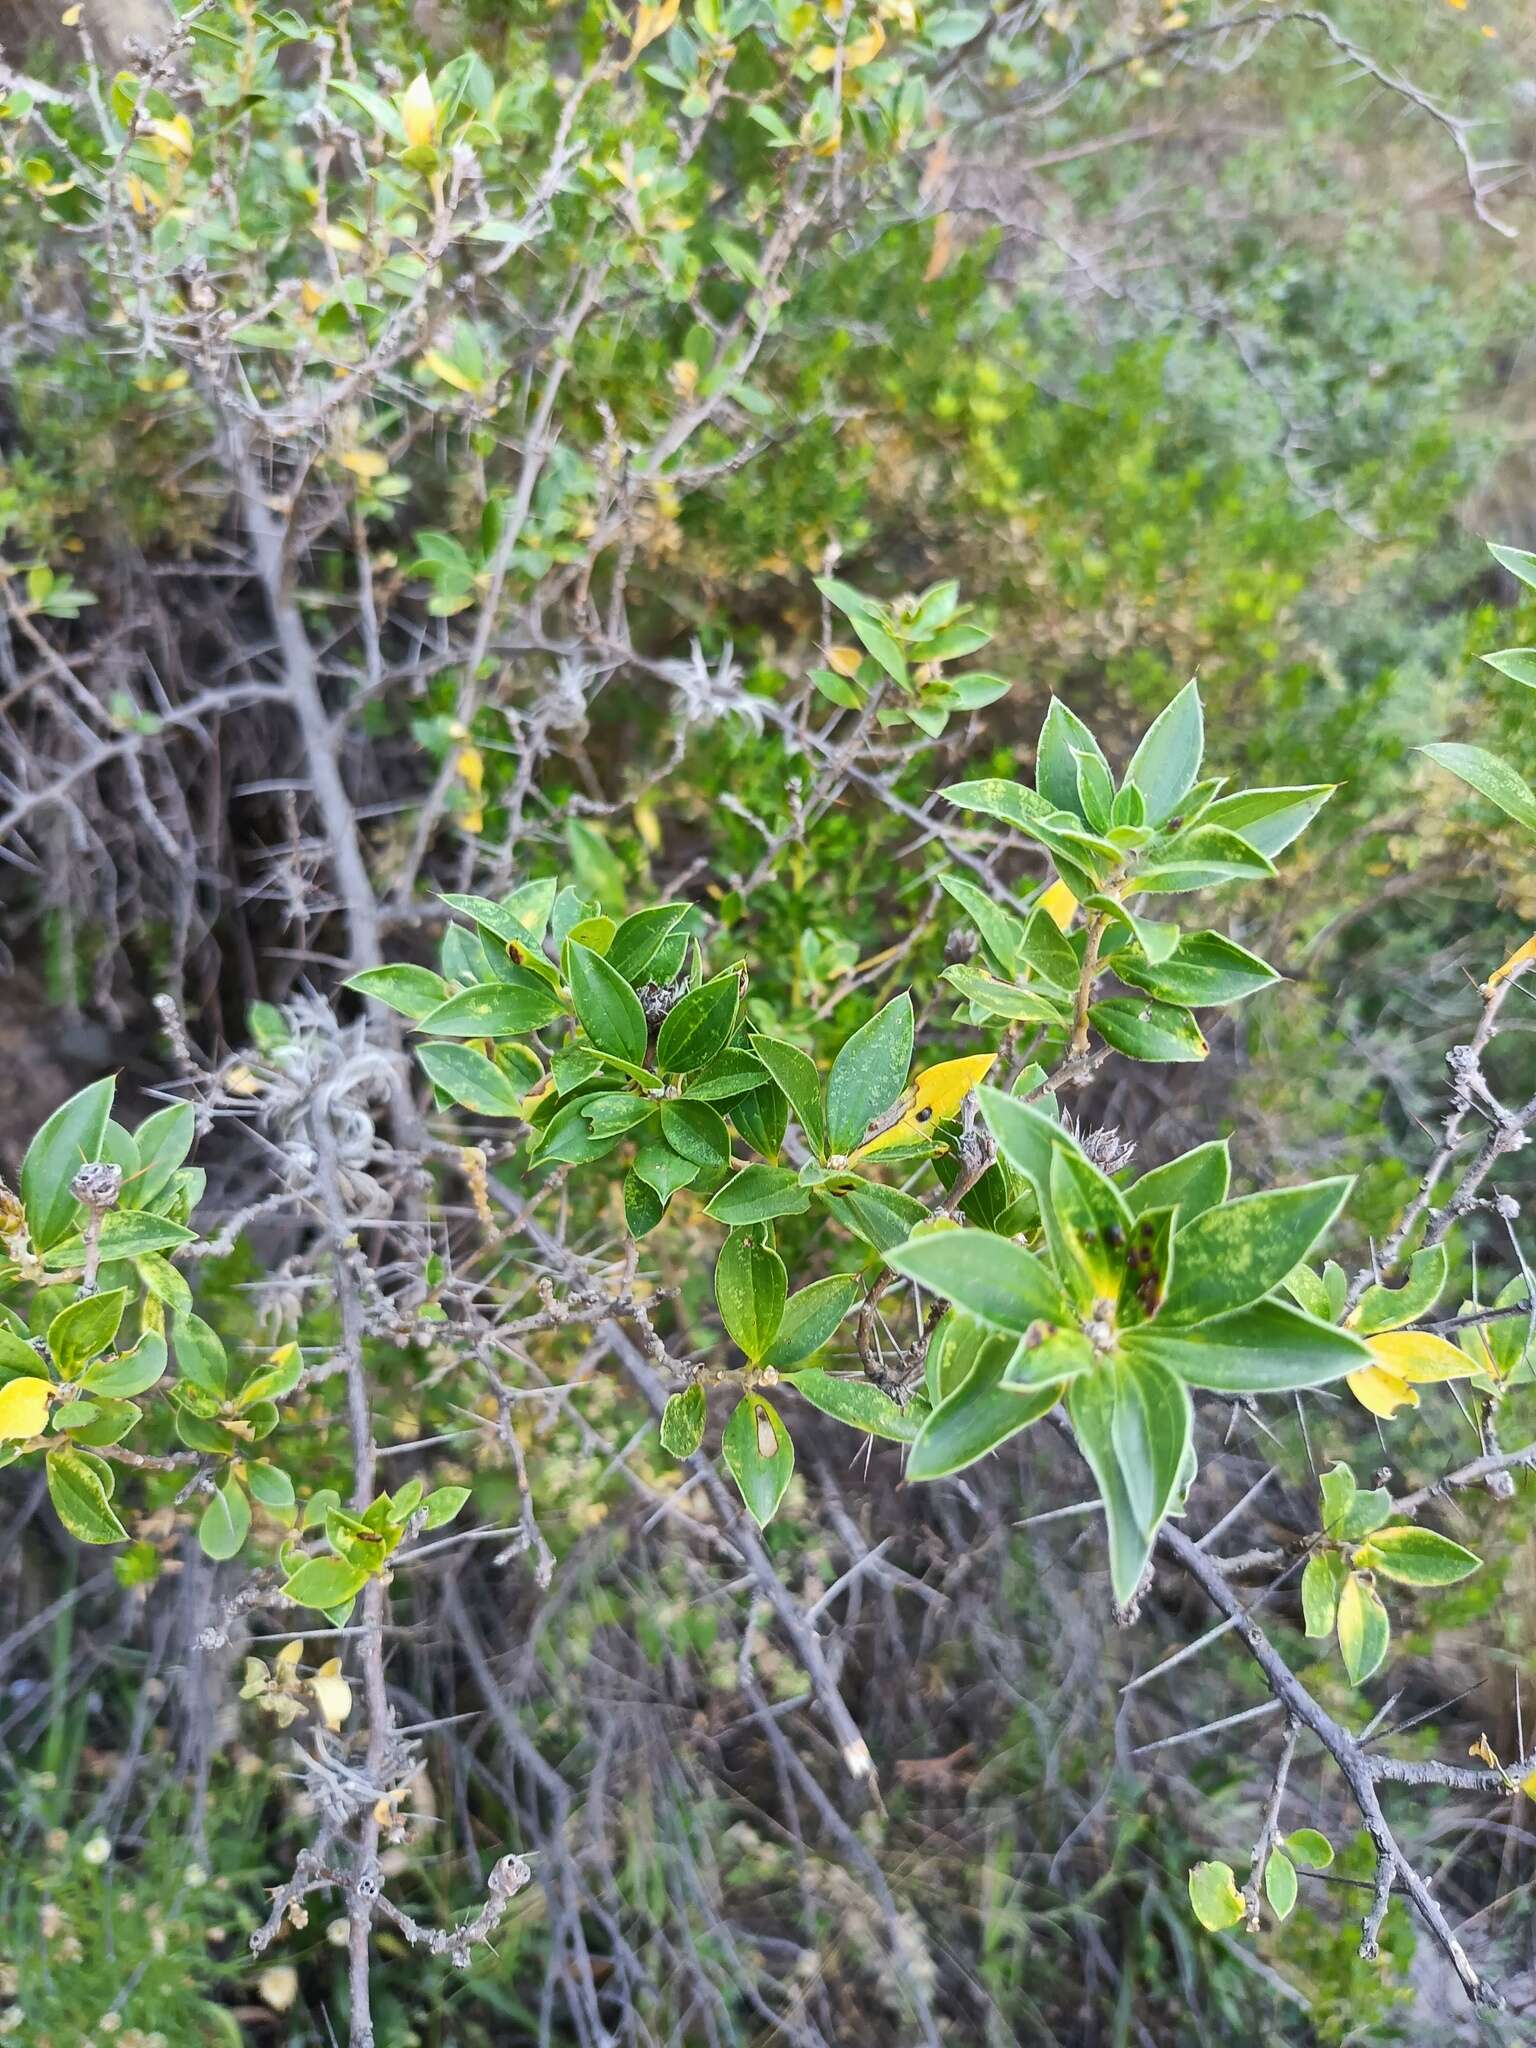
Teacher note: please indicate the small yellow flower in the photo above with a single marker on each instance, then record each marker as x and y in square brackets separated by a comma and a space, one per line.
[1403, 1361]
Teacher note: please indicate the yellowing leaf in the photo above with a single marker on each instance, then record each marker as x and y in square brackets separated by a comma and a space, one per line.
[333, 1695]
[440, 366]
[844, 661]
[932, 1099]
[651, 22]
[288, 1657]
[865, 50]
[1059, 905]
[24, 1408]
[418, 113]
[1483, 1750]
[70, 18]
[1419, 1357]
[1521, 957]
[366, 463]
[470, 764]
[170, 138]
[1382, 1392]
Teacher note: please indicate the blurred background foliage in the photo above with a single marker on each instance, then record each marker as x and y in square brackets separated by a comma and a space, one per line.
[1178, 366]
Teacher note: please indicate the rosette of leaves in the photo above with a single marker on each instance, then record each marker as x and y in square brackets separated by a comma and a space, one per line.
[346, 1550]
[88, 1293]
[907, 654]
[1126, 1301]
[1356, 1549]
[1160, 831]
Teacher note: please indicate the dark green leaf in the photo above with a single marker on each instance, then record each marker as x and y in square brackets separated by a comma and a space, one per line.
[1132, 1420]
[80, 1488]
[810, 1319]
[701, 1025]
[78, 1333]
[1165, 765]
[697, 1132]
[1194, 1182]
[750, 1287]
[683, 1420]
[71, 1137]
[606, 1006]
[977, 1416]
[1204, 969]
[990, 1277]
[469, 1078]
[1267, 1348]
[859, 1404]
[1143, 1029]
[413, 991]
[759, 1193]
[869, 1073]
[225, 1523]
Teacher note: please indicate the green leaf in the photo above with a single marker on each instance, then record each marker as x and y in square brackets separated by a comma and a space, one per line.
[1202, 858]
[1517, 561]
[1269, 819]
[750, 1287]
[124, 1234]
[1364, 1630]
[131, 1372]
[1204, 969]
[869, 1073]
[1048, 1358]
[663, 1169]
[1518, 663]
[979, 1414]
[992, 1278]
[470, 1079]
[810, 1319]
[1309, 1847]
[442, 1506]
[882, 1217]
[1148, 1271]
[607, 1008]
[643, 1207]
[757, 1194]
[729, 1075]
[1416, 1557]
[1165, 765]
[640, 938]
[1280, 1883]
[1268, 1348]
[271, 1486]
[1490, 777]
[1009, 802]
[701, 1025]
[1194, 1182]
[1047, 951]
[71, 1137]
[413, 991]
[683, 1420]
[496, 1009]
[225, 1523]
[1214, 1897]
[80, 1488]
[697, 1132]
[1321, 1584]
[1001, 932]
[1005, 999]
[502, 920]
[1143, 1029]
[200, 1355]
[1389, 1308]
[163, 1142]
[759, 1456]
[1348, 1515]
[853, 1400]
[1063, 740]
[1132, 1420]
[1235, 1255]
[1025, 1136]
[78, 1333]
[325, 1582]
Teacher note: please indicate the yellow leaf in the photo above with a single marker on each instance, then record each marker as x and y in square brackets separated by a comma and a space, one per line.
[311, 298]
[439, 365]
[1382, 1392]
[865, 50]
[287, 1659]
[366, 463]
[932, 1099]
[170, 138]
[333, 1695]
[24, 1408]
[1482, 1749]
[1059, 905]
[418, 113]
[70, 17]
[1419, 1357]
[651, 22]
[1521, 957]
[844, 661]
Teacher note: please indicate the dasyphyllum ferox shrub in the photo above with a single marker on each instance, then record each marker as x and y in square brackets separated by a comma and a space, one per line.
[922, 1242]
